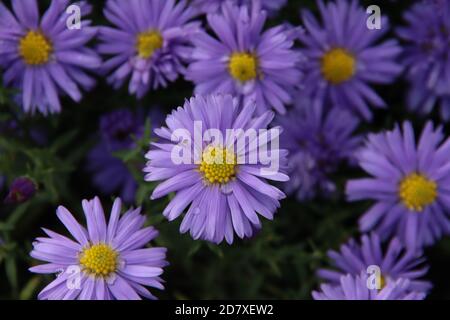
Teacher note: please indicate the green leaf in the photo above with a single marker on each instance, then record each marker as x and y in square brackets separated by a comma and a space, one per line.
[11, 272]
[30, 288]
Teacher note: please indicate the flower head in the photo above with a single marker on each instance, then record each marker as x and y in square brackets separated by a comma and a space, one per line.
[351, 287]
[222, 184]
[393, 263]
[318, 142]
[212, 6]
[148, 44]
[106, 261]
[42, 57]
[21, 190]
[343, 57]
[427, 56]
[409, 185]
[245, 61]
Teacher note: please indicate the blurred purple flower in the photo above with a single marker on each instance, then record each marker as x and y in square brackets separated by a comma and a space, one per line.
[148, 44]
[222, 194]
[212, 6]
[9, 127]
[246, 61]
[427, 56]
[409, 184]
[344, 57]
[119, 130]
[351, 287]
[106, 261]
[21, 190]
[43, 57]
[318, 143]
[395, 262]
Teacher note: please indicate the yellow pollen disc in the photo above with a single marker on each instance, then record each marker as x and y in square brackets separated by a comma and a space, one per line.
[218, 165]
[148, 43]
[417, 191]
[383, 282]
[338, 66]
[35, 48]
[243, 66]
[99, 260]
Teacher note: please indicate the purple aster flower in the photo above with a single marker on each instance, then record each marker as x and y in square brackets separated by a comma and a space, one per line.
[344, 57]
[409, 185]
[427, 56]
[106, 261]
[394, 263]
[222, 184]
[43, 57]
[245, 61]
[212, 6]
[21, 190]
[119, 131]
[351, 287]
[148, 44]
[318, 144]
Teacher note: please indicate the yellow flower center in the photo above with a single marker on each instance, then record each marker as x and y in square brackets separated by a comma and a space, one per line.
[338, 66]
[417, 191]
[99, 260]
[383, 282]
[148, 42]
[243, 66]
[35, 48]
[218, 165]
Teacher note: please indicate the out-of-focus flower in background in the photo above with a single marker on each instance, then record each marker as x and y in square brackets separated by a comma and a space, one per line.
[106, 261]
[427, 56]
[21, 190]
[42, 57]
[148, 43]
[409, 184]
[318, 142]
[212, 6]
[245, 61]
[119, 131]
[344, 57]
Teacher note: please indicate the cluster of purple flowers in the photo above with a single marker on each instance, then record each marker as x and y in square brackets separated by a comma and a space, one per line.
[317, 83]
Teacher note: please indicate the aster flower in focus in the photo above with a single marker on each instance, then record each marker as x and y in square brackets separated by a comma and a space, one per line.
[212, 6]
[245, 61]
[409, 184]
[352, 287]
[42, 57]
[223, 185]
[119, 130]
[148, 44]
[394, 263]
[427, 56]
[21, 190]
[344, 57]
[106, 261]
[318, 143]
